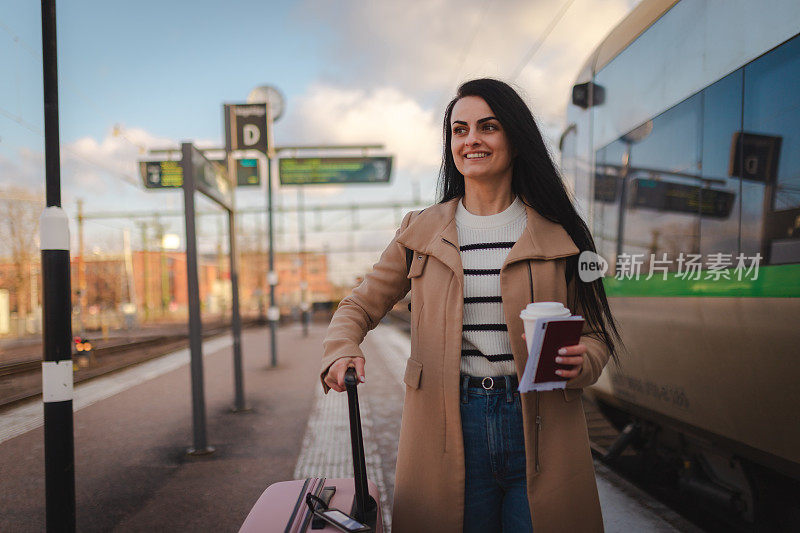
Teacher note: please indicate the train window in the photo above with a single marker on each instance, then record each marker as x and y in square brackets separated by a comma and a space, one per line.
[722, 119]
[605, 213]
[663, 185]
[573, 177]
[767, 156]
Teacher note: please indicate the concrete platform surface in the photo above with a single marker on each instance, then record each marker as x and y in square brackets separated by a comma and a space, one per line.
[132, 430]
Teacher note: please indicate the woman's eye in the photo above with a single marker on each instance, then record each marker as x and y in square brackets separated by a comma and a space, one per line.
[490, 127]
[459, 130]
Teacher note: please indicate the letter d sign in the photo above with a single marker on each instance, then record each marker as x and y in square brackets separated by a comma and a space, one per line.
[250, 134]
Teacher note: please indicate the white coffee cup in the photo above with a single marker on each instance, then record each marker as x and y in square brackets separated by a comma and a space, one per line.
[537, 310]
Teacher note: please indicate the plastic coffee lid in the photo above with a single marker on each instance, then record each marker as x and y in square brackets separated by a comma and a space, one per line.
[543, 309]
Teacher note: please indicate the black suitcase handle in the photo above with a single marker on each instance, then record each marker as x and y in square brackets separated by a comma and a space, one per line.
[364, 506]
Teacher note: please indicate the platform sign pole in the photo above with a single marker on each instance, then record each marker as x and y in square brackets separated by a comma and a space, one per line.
[273, 315]
[249, 127]
[195, 325]
[59, 446]
[236, 318]
[301, 227]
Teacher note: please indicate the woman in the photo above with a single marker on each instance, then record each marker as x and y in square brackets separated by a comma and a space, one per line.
[474, 454]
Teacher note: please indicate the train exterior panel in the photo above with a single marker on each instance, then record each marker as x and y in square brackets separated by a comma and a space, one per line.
[716, 366]
[682, 146]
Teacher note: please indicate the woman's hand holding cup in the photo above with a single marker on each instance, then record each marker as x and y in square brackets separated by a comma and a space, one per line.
[570, 355]
[335, 376]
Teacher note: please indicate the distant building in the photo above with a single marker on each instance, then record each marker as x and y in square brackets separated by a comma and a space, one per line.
[253, 269]
[156, 282]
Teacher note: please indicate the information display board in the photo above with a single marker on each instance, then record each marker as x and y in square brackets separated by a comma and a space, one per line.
[247, 174]
[334, 170]
[606, 187]
[682, 198]
[161, 174]
[169, 175]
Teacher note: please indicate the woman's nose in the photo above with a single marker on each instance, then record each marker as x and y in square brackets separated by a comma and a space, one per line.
[471, 139]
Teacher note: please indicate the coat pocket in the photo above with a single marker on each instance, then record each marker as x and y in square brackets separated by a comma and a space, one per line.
[413, 373]
[572, 394]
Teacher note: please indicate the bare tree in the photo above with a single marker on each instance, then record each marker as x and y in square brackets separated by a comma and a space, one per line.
[19, 230]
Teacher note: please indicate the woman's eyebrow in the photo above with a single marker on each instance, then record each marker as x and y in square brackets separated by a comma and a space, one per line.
[480, 120]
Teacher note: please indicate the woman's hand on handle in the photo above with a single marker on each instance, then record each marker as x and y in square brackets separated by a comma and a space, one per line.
[335, 376]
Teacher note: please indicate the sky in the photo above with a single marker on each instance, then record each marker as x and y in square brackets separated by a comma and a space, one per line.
[137, 76]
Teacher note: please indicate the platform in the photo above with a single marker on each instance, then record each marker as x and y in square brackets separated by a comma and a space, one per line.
[132, 429]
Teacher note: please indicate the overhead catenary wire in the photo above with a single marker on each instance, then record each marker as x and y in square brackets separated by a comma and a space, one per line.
[36, 54]
[21, 43]
[19, 119]
[538, 44]
[66, 149]
[464, 52]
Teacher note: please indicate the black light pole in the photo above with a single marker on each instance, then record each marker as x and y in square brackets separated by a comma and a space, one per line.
[59, 448]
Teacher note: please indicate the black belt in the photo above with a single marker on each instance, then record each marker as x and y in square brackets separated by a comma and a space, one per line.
[491, 383]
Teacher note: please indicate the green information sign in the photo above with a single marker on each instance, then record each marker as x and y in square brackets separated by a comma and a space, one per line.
[332, 170]
[247, 173]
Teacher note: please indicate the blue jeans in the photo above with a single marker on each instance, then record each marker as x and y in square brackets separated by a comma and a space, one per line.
[495, 493]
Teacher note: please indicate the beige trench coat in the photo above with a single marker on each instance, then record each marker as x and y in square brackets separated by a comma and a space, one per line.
[429, 483]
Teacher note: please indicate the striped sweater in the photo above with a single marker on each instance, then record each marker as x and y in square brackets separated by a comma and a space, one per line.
[484, 243]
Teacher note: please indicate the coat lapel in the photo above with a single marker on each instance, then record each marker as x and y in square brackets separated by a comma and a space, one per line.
[433, 232]
[541, 239]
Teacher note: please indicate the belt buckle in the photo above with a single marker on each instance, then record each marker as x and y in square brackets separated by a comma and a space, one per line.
[491, 383]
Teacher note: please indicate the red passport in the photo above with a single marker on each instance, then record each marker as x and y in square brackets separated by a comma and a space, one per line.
[557, 334]
[549, 335]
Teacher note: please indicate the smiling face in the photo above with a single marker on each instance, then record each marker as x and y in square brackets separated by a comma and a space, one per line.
[480, 148]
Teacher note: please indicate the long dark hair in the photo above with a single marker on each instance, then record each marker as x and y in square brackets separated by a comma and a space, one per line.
[538, 184]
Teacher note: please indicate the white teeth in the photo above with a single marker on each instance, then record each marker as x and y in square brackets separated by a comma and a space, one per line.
[477, 155]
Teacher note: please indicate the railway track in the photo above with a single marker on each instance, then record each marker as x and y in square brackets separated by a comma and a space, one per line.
[21, 379]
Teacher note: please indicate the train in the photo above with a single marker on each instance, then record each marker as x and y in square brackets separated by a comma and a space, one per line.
[682, 149]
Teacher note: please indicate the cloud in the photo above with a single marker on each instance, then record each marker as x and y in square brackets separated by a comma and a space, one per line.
[392, 67]
[102, 165]
[424, 49]
[109, 167]
[328, 114]
[25, 170]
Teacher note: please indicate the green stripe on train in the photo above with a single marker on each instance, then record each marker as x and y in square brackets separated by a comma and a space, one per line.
[776, 281]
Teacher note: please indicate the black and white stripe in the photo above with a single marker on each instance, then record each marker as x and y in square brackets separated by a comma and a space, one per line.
[485, 242]
[486, 246]
[481, 271]
[57, 370]
[483, 300]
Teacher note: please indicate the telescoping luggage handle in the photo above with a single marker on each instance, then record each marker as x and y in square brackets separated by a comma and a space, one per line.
[364, 507]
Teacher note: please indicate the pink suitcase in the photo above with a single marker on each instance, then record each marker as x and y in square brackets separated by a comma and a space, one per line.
[283, 507]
